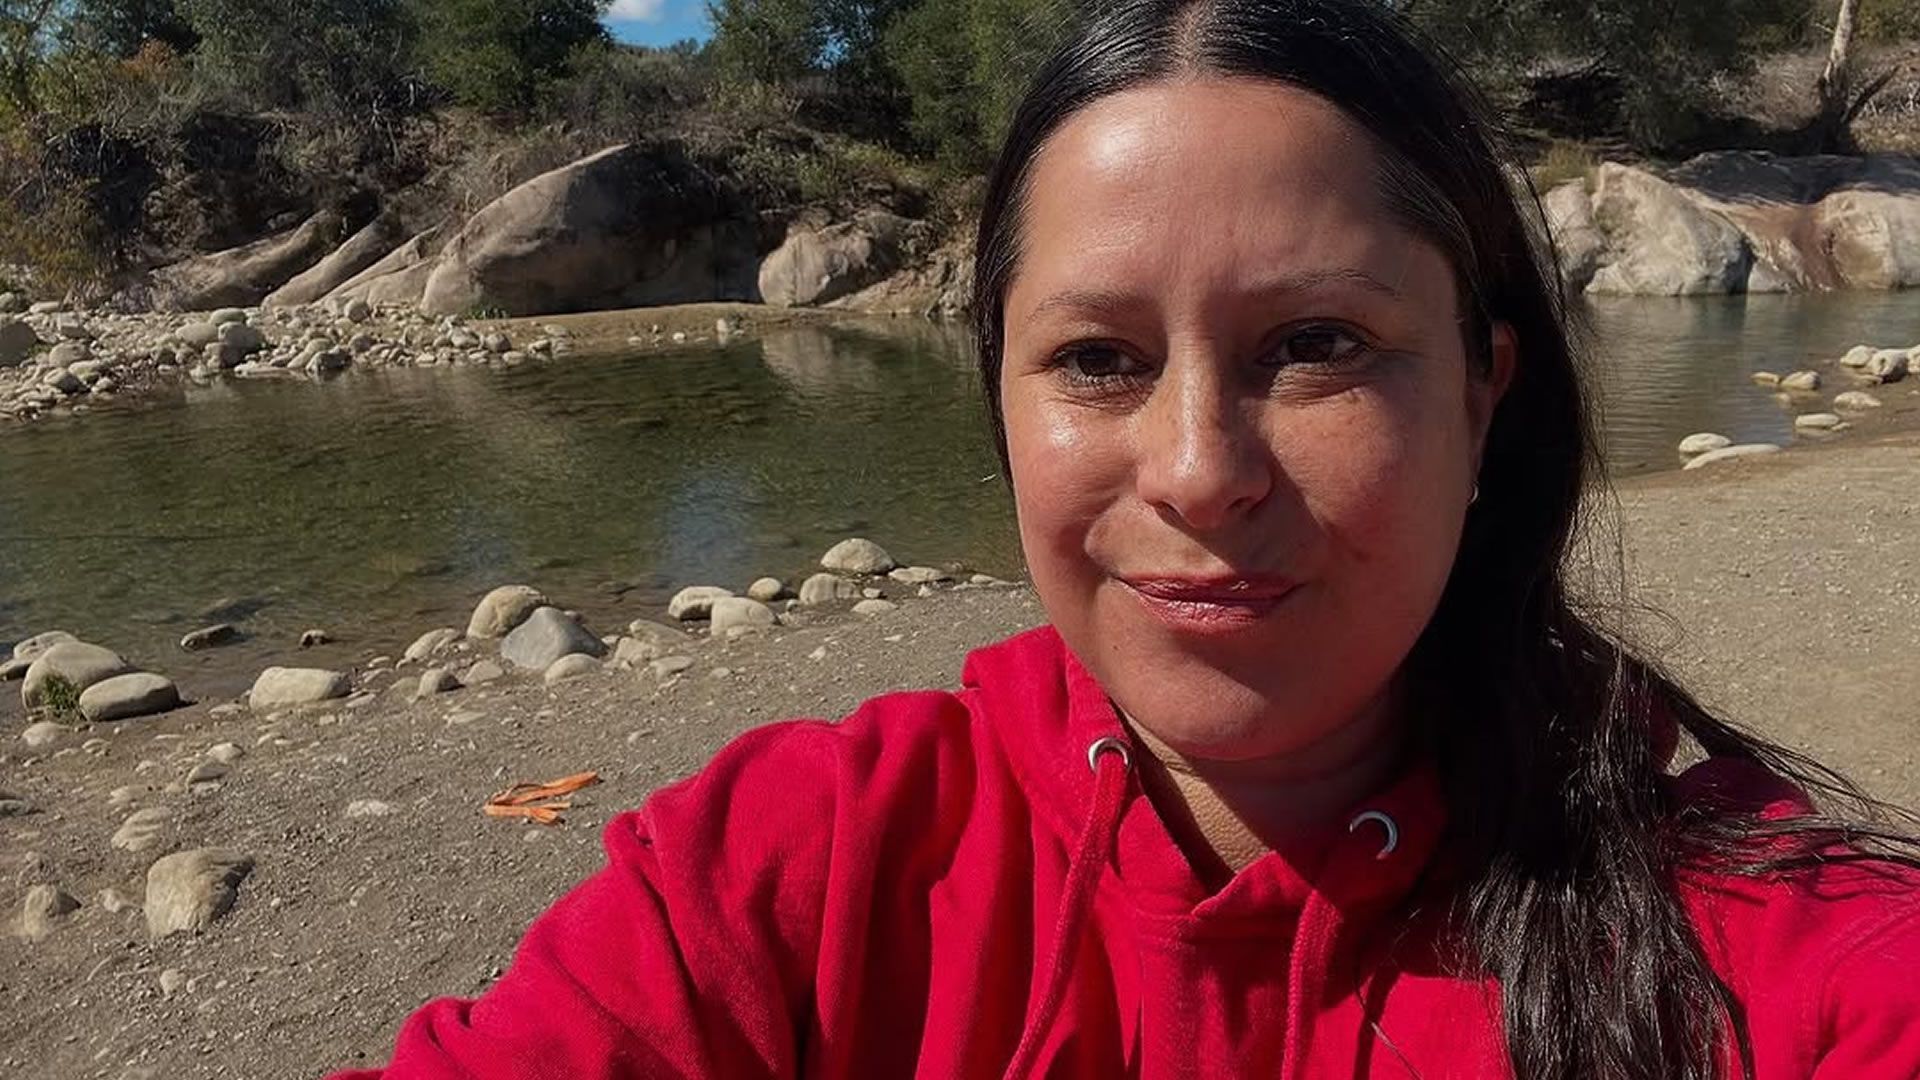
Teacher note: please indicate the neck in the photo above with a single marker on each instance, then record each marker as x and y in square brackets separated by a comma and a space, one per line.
[1226, 814]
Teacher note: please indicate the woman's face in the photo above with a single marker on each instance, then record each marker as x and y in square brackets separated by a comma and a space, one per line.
[1240, 416]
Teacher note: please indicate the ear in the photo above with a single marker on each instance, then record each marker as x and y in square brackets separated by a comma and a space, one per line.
[1485, 391]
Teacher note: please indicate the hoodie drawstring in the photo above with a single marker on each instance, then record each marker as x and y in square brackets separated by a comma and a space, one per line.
[1111, 761]
[1307, 977]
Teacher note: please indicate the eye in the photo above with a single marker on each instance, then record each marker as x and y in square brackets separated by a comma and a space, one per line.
[1320, 344]
[1097, 362]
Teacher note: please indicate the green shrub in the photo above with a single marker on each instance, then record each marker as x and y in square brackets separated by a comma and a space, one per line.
[60, 699]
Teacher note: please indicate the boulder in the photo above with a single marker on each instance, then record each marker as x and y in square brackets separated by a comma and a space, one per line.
[124, 697]
[399, 277]
[242, 276]
[1665, 244]
[626, 227]
[79, 664]
[819, 265]
[1872, 237]
[17, 340]
[545, 636]
[740, 614]
[359, 251]
[1701, 443]
[503, 609]
[857, 556]
[188, 890]
[826, 589]
[1577, 240]
[695, 602]
[30, 649]
[279, 687]
[1731, 453]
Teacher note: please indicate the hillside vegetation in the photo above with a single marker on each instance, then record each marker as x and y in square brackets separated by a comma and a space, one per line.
[134, 133]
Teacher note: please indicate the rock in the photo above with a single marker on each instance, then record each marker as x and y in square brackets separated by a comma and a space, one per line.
[359, 251]
[435, 681]
[206, 772]
[875, 607]
[818, 265]
[503, 609]
[695, 602]
[143, 828]
[858, 556]
[68, 353]
[72, 328]
[30, 649]
[1855, 400]
[827, 589]
[739, 614]
[919, 575]
[668, 666]
[766, 590]
[17, 340]
[113, 901]
[1700, 444]
[65, 381]
[226, 753]
[570, 666]
[1667, 244]
[77, 663]
[1804, 381]
[1887, 365]
[1871, 234]
[357, 311]
[197, 335]
[210, 637]
[244, 275]
[399, 277]
[1742, 450]
[46, 307]
[482, 672]
[547, 635]
[279, 687]
[1820, 421]
[431, 642]
[630, 226]
[1858, 356]
[43, 905]
[42, 734]
[311, 639]
[13, 805]
[171, 981]
[188, 890]
[1765, 378]
[366, 808]
[14, 669]
[1576, 239]
[238, 336]
[124, 697]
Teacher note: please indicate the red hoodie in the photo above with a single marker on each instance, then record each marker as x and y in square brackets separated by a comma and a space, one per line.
[940, 886]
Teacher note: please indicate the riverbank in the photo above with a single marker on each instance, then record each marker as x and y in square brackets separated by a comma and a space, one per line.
[375, 881]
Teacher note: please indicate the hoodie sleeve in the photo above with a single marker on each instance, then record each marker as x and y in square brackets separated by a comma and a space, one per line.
[1871, 1010]
[685, 956]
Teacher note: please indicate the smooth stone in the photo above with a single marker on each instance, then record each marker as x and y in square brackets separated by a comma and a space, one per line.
[857, 556]
[43, 905]
[1887, 365]
[172, 980]
[435, 681]
[124, 697]
[1857, 400]
[278, 687]
[1858, 356]
[11, 670]
[547, 635]
[210, 637]
[431, 642]
[188, 890]
[1803, 381]
[827, 589]
[357, 310]
[695, 602]
[503, 609]
[42, 734]
[481, 672]
[1742, 450]
[226, 753]
[1701, 443]
[227, 315]
[238, 335]
[668, 666]
[739, 614]
[207, 772]
[77, 662]
[766, 590]
[143, 828]
[875, 607]
[919, 575]
[113, 901]
[1820, 421]
[570, 666]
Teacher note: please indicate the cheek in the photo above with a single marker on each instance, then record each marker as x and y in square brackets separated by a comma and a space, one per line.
[1066, 470]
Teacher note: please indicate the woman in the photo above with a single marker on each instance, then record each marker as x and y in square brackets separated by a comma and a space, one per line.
[1317, 771]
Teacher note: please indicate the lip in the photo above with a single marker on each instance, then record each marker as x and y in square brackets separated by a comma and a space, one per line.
[1216, 605]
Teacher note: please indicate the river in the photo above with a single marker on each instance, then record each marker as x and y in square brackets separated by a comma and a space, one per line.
[379, 505]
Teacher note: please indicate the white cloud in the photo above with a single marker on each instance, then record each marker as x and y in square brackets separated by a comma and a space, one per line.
[636, 10]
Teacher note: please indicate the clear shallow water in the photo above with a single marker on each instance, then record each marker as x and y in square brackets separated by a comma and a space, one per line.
[381, 505]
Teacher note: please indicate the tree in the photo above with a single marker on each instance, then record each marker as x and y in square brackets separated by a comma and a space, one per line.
[495, 55]
[771, 41]
[27, 29]
[120, 27]
[334, 55]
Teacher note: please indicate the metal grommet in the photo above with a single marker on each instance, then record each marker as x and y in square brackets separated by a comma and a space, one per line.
[1107, 743]
[1393, 830]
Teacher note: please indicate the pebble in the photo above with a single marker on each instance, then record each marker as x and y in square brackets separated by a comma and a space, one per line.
[171, 981]
[365, 808]
[226, 753]
[1822, 421]
[313, 638]
[113, 901]
[42, 734]
[919, 575]
[210, 637]
[875, 607]
[1766, 378]
[668, 666]
[206, 772]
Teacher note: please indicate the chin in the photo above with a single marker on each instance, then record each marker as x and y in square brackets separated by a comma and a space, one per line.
[1203, 712]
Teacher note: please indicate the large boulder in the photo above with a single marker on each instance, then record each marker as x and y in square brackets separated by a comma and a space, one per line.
[503, 609]
[77, 663]
[1665, 243]
[124, 697]
[1872, 237]
[400, 276]
[626, 227]
[17, 340]
[547, 635]
[279, 687]
[361, 250]
[819, 265]
[1577, 240]
[242, 276]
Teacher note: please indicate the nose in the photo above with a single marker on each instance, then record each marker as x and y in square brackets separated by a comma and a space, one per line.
[1201, 454]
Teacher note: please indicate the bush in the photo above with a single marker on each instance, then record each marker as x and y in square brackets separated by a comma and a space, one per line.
[496, 55]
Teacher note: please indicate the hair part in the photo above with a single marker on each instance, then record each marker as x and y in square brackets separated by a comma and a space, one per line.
[1556, 734]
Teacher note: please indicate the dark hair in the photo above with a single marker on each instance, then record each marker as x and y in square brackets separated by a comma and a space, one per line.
[1557, 735]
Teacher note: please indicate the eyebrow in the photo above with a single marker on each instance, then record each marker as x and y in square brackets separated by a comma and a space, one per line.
[1285, 284]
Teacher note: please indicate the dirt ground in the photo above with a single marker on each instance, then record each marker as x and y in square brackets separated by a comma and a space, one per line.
[1793, 584]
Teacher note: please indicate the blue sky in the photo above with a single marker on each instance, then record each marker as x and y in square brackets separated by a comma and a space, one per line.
[658, 22]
